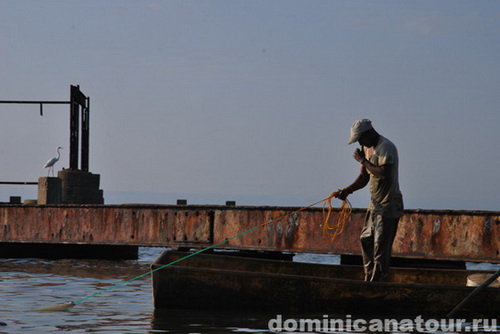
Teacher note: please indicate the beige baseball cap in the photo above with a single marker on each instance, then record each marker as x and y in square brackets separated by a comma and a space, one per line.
[357, 129]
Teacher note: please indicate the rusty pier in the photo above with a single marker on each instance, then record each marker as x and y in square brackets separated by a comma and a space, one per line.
[117, 231]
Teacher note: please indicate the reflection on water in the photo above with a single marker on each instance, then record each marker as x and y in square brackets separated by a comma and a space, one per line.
[26, 285]
[29, 284]
[211, 321]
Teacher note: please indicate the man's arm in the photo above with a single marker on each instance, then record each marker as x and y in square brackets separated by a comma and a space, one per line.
[360, 182]
[364, 177]
[379, 171]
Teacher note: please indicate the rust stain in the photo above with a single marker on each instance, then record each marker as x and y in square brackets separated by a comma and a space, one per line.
[432, 234]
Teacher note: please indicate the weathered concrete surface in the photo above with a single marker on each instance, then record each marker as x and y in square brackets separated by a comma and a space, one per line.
[49, 190]
[443, 235]
[79, 187]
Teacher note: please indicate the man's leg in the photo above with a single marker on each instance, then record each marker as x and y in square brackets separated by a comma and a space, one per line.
[367, 239]
[385, 229]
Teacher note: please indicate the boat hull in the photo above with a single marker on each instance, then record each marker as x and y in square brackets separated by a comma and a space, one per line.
[231, 282]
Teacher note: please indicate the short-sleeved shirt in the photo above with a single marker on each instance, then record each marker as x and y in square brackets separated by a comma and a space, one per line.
[386, 198]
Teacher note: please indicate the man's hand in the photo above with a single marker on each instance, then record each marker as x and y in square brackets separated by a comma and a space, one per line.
[359, 155]
[342, 195]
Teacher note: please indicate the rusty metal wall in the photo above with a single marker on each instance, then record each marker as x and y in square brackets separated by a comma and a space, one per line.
[443, 235]
[440, 235]
[109, 225]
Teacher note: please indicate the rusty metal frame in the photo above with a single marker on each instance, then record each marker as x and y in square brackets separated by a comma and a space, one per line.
[41, 103]
[77, 101]
[424, 234]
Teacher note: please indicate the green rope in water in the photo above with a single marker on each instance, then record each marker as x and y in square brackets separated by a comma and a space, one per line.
[166, 265]
[67, 305]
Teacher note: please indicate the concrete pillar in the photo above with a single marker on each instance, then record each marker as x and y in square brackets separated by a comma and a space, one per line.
[80, 187]
[49, 190]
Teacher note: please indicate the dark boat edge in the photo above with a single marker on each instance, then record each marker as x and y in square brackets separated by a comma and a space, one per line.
[221, 281]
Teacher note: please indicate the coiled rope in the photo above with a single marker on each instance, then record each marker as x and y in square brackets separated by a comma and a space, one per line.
[345, 211]
[337, 228]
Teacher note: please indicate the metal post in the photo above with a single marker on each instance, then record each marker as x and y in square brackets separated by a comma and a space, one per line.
[85, 135]
[74, 128]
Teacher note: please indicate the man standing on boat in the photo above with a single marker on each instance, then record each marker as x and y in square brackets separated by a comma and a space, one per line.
[378, 157]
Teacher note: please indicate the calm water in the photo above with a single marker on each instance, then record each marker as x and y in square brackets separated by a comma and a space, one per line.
[28, 284]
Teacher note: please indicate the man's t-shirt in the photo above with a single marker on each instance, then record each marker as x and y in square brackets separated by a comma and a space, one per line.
[386, 198]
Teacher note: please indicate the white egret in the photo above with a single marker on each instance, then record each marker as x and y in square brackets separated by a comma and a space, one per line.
[50, 164]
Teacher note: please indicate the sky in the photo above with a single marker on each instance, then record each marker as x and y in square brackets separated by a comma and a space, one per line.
[252, 101]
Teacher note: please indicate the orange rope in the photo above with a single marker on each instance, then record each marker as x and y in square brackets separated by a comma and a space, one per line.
[337, 227]
[334, 229]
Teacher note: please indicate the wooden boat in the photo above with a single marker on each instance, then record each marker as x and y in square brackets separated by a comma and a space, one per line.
[211, 281]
